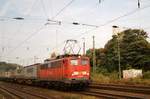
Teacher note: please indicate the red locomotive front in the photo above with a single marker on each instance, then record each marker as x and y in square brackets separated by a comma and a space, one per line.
[78, 69]
[67, 70]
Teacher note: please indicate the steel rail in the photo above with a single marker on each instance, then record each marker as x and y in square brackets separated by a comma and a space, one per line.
[115, 94]
[115, 91]
[122, 85]
[10, 93]
[22, 94]
[125, 88]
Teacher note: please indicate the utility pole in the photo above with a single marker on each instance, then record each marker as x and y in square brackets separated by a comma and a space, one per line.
[118, 39]
[83, 46]
[118, 47]
[94, 67]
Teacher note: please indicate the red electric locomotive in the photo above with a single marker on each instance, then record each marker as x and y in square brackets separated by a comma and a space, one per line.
[66, 70]
[62, 71]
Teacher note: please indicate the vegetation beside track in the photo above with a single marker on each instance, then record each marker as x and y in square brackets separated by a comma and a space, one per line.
[5, 67]
[134, 52]
[113, 78]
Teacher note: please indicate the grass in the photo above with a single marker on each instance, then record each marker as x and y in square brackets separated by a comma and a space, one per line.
[113, 78]
[139, 81]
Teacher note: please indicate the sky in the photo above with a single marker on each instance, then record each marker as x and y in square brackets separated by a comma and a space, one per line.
[34, 38]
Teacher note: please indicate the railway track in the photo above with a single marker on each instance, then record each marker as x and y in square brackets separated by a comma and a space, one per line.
[19, 92]
[106, 91]
[118, 91]
[6, 94]
[125, 88]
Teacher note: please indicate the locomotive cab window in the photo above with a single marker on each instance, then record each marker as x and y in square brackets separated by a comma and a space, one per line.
[74, 62]
[84, 62]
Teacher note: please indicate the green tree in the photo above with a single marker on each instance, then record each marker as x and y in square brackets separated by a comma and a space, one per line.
[134, 51]
[8, 66]
[111, 58]
[100, 56]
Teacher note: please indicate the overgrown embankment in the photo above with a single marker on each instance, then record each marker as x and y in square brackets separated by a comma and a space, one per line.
[113, 78]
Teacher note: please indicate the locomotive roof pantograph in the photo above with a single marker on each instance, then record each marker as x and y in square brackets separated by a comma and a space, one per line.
[71, 47]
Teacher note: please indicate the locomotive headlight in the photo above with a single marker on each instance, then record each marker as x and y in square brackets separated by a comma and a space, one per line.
[75, 73]
[84, 72]
[87, 74]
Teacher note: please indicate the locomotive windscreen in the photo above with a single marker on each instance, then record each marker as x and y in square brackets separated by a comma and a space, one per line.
[84, 62]
[79, 61]
[74, 62]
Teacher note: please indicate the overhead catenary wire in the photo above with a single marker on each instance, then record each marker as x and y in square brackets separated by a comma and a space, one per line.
[22, 23]
[29, 37]
[108, 22]
[44, 9]
[113, 20]
[63, 9]
[51, 7]
[40, 28]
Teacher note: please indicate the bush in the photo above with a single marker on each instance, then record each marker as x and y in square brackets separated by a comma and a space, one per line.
[113, 78]
[99, 77]
[146, 75]
[104, 77]
[102, 70]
